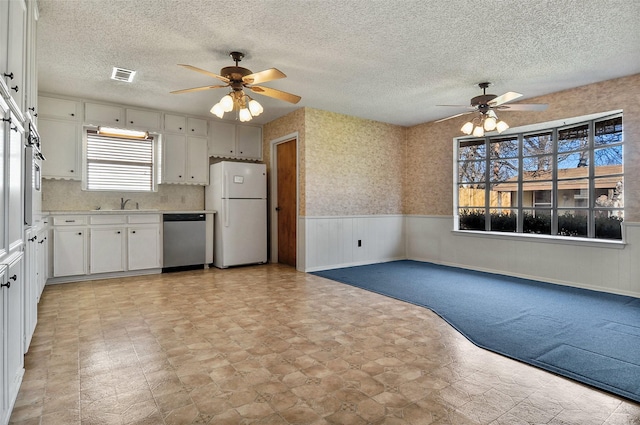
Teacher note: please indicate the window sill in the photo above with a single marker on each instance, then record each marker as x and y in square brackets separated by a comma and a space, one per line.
[562, 240]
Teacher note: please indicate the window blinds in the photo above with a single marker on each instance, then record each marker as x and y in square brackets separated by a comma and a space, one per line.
[119, 164]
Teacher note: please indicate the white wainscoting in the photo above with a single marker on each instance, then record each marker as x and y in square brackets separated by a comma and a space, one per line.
[599, 266]
[332, 242]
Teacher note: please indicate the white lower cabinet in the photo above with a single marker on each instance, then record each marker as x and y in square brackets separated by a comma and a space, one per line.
[143, 247]
[109, 243]
[30, 285]
[12, 331]
[69, 251]
[107, 249]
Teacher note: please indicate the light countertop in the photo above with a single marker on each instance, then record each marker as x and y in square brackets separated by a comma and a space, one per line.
[140, 211]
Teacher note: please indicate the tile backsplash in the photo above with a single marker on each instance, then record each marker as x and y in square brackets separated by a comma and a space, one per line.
[65, 195]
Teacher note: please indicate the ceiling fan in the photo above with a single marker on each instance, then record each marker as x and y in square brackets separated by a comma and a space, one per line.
[486, 104]
[237, 79]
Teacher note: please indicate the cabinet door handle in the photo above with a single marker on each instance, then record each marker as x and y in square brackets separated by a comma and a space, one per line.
[117, 119]
[5, 285]
[79, 233]
[118, 232]
[70, 221]
[15, 88]
[7, 120]
[14, 277]
[9, 76]
[71, 171]
[73, 115]
[130, 122]
[133, 231]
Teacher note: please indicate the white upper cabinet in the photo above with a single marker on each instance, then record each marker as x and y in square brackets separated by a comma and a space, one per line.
[51, 107]
[196, 127]
[120, 117]
[142, 120]
[98, 114]
[13, 21]
[229, 140]
[249, 142]
[175, 123]
[183, 125]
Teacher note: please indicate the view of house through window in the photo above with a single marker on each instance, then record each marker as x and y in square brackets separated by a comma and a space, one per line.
[566, 181]
[120, 164]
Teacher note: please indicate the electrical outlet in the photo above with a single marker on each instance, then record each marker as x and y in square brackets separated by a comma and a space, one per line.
[359, 243]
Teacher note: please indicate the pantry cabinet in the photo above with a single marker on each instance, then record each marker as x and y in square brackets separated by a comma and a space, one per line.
[12, 329]
[229, 140]
[13, 21]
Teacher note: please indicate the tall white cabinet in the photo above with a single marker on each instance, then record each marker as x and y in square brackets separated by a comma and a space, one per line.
[19, 281]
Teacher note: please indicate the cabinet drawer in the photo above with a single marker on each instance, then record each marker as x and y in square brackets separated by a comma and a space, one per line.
[144, 218]
[70, 220]
[108, 219]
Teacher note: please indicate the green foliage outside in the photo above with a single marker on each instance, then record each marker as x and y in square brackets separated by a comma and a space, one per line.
[568, 224]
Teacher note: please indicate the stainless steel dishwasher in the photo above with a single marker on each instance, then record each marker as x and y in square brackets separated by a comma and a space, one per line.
[184, 241]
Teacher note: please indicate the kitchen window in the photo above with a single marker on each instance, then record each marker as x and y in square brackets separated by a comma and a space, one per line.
[119, 164]
[563, 181]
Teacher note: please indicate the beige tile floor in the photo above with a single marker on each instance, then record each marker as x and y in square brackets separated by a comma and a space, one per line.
[269, 345]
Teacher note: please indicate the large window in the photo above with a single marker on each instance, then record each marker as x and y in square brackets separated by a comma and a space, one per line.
[119, 164]
[562, 181]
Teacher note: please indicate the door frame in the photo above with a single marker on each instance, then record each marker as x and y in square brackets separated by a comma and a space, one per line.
[273, 196]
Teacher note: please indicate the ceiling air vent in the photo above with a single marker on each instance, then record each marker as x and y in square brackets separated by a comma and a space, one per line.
[122, 74]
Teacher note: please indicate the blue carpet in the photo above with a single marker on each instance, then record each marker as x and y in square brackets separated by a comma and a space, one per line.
[592, 337]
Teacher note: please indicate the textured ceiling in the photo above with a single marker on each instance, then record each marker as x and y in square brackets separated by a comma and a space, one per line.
[389, 61]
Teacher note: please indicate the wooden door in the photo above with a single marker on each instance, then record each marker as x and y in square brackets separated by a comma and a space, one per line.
[286, 208]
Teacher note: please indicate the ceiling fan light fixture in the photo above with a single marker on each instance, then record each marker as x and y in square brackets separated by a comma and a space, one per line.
[501, 126]
[244, 115]
[227, 103]
[478, 131]
[255, 108]
[489, 123]
[467, 128]
[217, 110]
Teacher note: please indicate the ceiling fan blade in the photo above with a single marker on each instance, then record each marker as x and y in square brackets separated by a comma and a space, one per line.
[523, 107]
[507, 97]
[197, 89]
[287, 97]
[459, 106]
[453, 116]
[202, 71]
[263, 76]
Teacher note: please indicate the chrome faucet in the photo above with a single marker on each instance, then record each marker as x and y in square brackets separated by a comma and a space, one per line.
[123, 203]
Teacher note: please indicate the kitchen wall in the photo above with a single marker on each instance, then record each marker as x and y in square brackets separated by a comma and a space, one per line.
[65, 195]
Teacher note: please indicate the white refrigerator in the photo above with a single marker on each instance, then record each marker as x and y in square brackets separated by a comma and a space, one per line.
[237, 191]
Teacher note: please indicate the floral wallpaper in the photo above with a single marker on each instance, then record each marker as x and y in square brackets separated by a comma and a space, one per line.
[347, 165]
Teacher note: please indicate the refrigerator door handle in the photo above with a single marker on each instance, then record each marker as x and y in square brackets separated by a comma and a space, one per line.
[225, 211]
[225, 185]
